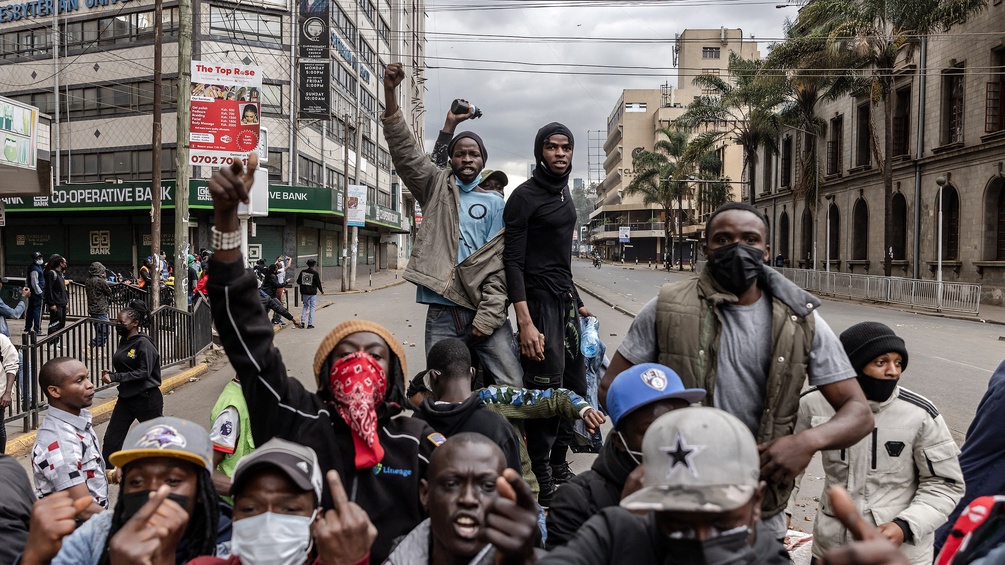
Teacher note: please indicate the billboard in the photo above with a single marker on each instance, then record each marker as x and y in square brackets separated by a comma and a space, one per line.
[356, 211]
[315, 90]
[313, 24]
[19, 130]
[225, 112]
[624, 234]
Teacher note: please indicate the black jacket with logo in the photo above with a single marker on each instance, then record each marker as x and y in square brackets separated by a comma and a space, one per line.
[472, 416]
[309, 281]
[588, 493]
[281, 407]
[137, 366]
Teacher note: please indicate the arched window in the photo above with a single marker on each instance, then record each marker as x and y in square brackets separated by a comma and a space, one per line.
[807, 237]
[783, 235]
[899, 219]
[860, 231]
[994, 221]
[950, 223]
[834, 217]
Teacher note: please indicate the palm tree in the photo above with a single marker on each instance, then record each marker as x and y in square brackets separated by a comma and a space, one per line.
[741, 109]
[878, 35]
[659, 178]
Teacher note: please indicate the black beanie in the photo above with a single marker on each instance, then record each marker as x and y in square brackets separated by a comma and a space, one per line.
[866, 341]
[469, 135]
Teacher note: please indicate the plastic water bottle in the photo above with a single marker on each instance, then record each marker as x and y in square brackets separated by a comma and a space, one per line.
[589, 342]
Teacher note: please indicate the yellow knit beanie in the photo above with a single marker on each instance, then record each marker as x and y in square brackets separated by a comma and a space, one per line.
[349, 327]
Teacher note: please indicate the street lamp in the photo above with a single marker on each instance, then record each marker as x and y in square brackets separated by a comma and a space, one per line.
[941, 181]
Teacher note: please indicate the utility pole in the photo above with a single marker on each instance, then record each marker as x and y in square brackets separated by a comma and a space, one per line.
[55, 89]
[353, 252]
[155, 181]
[345, 203]
[181, 243]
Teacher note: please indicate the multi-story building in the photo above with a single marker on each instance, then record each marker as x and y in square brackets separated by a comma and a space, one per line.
[97, 86]
[948, 122]
[632, 127]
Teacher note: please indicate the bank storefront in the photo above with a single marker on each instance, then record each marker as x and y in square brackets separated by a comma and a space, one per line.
[111, 223]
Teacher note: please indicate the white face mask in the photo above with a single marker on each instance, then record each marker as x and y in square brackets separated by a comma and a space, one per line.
[272, 539]
[39, 262]
[635, 455]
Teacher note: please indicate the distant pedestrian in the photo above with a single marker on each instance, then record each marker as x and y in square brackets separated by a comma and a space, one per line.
[36, 284]
[6, 312]
[9, 366]
[136, 368]
[310, 285]
[268, 292]
[146, 274]
[283, 264]
[55, 294]
[99, 297]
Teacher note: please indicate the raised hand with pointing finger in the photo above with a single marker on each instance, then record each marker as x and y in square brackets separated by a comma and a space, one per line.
[344, 534]
[229, 187]
[152, 534]
[871, 546]
[511, 520]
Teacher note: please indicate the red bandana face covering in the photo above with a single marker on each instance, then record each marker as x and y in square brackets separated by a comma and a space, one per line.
[359, 385]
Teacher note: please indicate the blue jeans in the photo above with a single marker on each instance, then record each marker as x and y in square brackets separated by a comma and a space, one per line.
[100, 331]
[310, 303]
[498, 352]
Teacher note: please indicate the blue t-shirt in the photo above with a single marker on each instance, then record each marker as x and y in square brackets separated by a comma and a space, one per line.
[481, 219]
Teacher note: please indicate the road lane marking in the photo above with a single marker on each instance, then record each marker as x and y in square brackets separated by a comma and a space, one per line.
[964, 364]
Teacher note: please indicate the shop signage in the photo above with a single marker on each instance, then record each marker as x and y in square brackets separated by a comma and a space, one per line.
[313, 23]
[225, 112]
[18, 134]
[315, 90]
[356, 213]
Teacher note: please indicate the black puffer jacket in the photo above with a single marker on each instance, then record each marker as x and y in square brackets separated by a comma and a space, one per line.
[616, 536]
[281, 407]
[588, 493]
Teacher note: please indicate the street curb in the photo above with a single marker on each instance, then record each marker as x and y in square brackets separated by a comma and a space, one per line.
[376, 288]
[596, 295]
[100, 413]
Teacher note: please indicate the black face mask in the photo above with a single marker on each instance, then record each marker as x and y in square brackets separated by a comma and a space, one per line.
[736, 266]
[729, 549]
[122, 330]
[877, 390]
[132, 502]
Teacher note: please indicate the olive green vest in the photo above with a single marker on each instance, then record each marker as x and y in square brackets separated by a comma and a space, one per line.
[688, 329]
[232, 395]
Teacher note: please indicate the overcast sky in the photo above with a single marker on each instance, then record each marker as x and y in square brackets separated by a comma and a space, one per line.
[517, 104]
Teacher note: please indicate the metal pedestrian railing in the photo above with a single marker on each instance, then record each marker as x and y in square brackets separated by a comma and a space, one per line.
[178, 335]
[122, 295]
[964, 298]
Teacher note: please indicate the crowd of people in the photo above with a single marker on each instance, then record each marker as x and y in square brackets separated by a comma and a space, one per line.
[725, 387]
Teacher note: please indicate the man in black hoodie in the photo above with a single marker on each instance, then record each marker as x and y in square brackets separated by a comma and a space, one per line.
[540, 220]
[636, 398]
[453, 407]
[354, 421]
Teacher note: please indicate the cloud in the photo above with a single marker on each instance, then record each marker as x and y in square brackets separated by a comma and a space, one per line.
[516, 104]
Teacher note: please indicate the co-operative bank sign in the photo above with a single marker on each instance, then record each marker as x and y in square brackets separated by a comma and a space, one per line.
[14, 11]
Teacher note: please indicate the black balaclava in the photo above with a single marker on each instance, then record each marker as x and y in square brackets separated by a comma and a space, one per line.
[864, 342]
[544, 177]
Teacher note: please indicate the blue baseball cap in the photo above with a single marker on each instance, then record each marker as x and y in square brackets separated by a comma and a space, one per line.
[644, 384]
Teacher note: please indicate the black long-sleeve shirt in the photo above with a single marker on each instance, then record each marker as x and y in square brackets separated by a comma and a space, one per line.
[309, 281]
[539, 228]
[137, 366]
